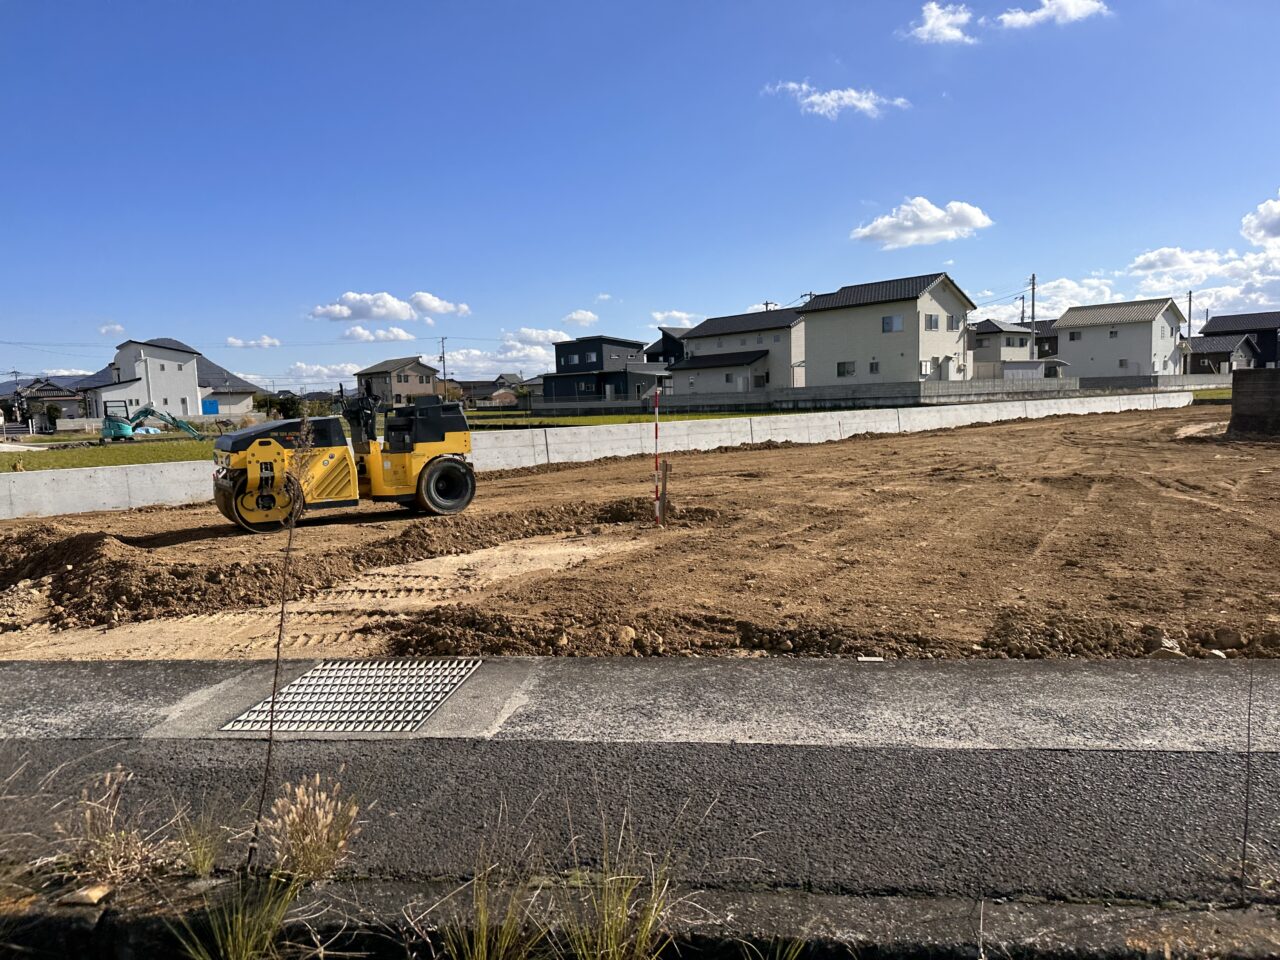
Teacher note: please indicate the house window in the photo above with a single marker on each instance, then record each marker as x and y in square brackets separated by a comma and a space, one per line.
[1204, 361]
[1164, 333]
[759, 338]
[728, 378]
[719, 341]
[926, 367]
[777, 338]
[1074, 335]
[1008, 341]
[980, 342]
[179, 368]
[591, 356]
[1124, 363]
[1022, 341]
[931, 321]
[164, 402]
[1113, 334]
[398, 398]
[873, 366]
[742, 341]
[891, 324]
[422, 378]
[953, 322]
[571, 358]
[845, 368]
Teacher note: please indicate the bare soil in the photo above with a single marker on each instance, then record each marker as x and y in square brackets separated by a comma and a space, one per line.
[1095, 536]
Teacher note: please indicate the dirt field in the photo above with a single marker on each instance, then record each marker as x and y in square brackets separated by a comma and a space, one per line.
[1078, 536]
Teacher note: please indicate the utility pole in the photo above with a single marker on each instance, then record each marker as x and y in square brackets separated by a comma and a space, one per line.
[444, 368]
[1033, 316]
[769, 305]
[1023, 317]
[1189, 315]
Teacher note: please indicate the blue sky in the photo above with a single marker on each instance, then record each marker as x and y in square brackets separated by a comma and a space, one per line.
[260, 173]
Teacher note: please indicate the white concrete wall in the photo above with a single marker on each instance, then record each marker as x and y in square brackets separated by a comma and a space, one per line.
[42, 494]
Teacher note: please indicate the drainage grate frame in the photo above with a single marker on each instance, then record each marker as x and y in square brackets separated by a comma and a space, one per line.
[360, 696]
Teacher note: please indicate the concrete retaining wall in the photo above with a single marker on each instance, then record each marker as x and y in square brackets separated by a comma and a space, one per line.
[49, 493]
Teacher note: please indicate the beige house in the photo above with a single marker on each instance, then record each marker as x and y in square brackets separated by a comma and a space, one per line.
[1138, 338]
[398, 381]
[740, 353]
[890, 331]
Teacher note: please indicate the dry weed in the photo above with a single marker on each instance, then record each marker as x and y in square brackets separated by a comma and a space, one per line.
[106, 843]
[310, 828]
[244, 922]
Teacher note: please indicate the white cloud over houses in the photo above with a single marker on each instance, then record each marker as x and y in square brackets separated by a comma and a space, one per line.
[1222, 281]
[429, 303]
[676, 318]
[364, 335]
[387, 308]
[1262, 226]
[536, 335]
[831, 103]
[919, 222]
[1052, 11]
[943, 23]
[260, 343]
[66, 372]
[111, 329]
[512, 355]
[583, 318]
[312, 376]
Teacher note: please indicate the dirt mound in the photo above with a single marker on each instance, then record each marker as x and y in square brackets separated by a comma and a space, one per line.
[97, 578]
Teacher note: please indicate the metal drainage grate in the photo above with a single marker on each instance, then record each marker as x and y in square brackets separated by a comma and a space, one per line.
[360, 696]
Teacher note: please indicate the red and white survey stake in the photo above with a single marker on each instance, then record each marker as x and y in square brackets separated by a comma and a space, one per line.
[657, 506]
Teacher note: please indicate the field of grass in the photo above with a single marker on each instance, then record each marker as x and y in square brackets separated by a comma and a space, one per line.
[1218, 393]
[113, 454]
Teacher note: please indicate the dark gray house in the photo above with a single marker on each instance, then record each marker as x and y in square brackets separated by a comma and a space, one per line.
[1222, 354]
[601, 368]
[668, 348]
[1265, 328]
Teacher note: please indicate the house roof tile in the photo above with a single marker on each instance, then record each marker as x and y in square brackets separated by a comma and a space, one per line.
[1110, 314]
[740, 358]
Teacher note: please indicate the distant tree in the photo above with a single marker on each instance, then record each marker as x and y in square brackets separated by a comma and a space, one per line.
[9, 410]
[53, 413]
[289, 407]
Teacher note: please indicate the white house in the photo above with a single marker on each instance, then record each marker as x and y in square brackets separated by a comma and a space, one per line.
[168, 375]
[1138, 338]
[740, 353]
[890, 331]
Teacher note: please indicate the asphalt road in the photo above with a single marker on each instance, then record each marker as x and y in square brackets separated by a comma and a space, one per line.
[1076, 781]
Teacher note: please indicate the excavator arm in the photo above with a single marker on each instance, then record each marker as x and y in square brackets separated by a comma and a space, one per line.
[147, 410]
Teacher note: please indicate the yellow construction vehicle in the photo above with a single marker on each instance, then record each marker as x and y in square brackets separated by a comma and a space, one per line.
[420, 462]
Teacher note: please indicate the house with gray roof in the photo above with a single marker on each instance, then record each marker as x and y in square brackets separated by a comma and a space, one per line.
[1135, 338]
[1264, 326]
[891, 331]
[739, 353]
[399, 380]
[1222, 353]
[668, 348]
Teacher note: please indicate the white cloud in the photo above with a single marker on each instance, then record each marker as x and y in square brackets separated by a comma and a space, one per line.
[513, 355]
[261, 342]
[1053, 297]
[369, 336]
[66, 372]
[676, 318]
[602, 297]
[943, 24]
[583, 318]
[1262, 226]
[756, 308]
[535, 335]
[949, 262]
[111, 329]
[918, 222]
[1058, 11]
[365, 306]
[430, 303]
[830, 103]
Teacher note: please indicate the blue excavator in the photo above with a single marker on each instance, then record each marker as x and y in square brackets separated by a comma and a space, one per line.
[119, 424]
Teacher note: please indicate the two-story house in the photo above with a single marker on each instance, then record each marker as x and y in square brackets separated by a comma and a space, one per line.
[740, 353]
[160, 372]
[1265, 328]
[601, 367]
[1138, 338]
[399, 380]
[890, 331]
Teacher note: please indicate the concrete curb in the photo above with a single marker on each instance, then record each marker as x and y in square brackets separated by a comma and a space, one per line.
[90, 489]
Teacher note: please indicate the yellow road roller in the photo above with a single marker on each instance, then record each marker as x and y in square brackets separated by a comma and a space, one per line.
[420, 462]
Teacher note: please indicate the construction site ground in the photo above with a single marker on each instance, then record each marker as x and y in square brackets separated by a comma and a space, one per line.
[1092, 536]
